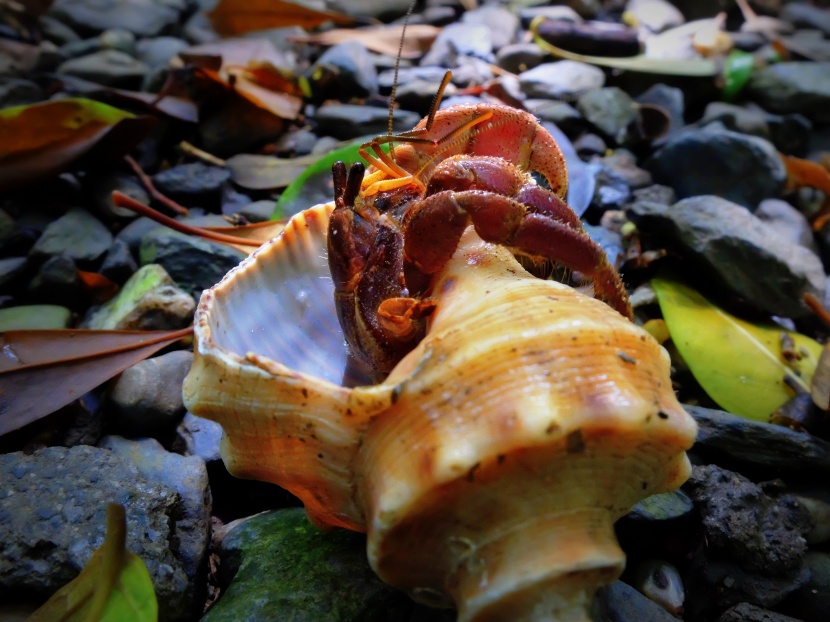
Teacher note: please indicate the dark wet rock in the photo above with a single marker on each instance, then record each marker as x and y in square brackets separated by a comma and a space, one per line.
[470, 71]
[807, 16]
[187, 476]
[612, 190]
[201, 438]
[55, 31]
[519, 57]
[624, 163]
[56, 282]
[77, 235]
[132, 233]
[101, 188]
[194, 264]
[564, 79]
[743, 169]
[666, 506]
[742, 524]
[346, 121]
[811, 601]
[791, 224]
[789, 133]
[296, 143]
[146, 399]
[384, 11]
[18, 92]
[107, 67]
[757, 445]
[610, 110]
[502, 24]
[810, 43]
[144, 18]
[53, 507]
[119, 263]
[34, 317]
[744, 612]
[157, 51]
[619, 602]
[735, 246]
[418, 94]
[193, 184]
[671, 100]
[280, 566]
[795, 87]
[458, 40]
[344, 71]
[149, 300]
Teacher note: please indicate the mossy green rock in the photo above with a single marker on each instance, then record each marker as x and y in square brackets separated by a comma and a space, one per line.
[286, 569]
[149, 300]
[34, 317]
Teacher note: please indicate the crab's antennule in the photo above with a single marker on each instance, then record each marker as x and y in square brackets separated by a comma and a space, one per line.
[436, 101]
[340, 182]
[353, 183]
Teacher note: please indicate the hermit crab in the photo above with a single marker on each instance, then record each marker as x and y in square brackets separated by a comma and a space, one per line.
[509, 419]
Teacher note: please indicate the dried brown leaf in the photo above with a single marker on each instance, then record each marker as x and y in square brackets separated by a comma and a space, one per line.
[236, 17]
[381, 39]
[44, 370]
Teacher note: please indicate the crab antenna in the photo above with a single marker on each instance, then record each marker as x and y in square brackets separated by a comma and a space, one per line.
[390, 125]
[436, 101]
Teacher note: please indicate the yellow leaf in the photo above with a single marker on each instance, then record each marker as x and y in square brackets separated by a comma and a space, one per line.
[740, 365]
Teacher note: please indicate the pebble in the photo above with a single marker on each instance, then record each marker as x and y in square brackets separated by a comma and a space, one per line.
[157, 51]
[18, 92]
[143, 18]
[11, 268]
[519, 57]
[654, 15]
[501, 23]
[610, 110]
[149, 300]
[733, 245]
[344, 71]
[564, 79]
[740, 168]
[119, 263]
[458, 40]
[194, 185]
[789, 133]
[665, 506]
[795, 87]
[612, 190]
[77, 235]
[791, 224]
[101, 188]
[806, 15]
[624, 163]
[53, 515]
[619, 602]
[107, 67]
[811, 601]
[146, 399]
[671, 100]
[201, 438]
[193, 263]
[345, 121]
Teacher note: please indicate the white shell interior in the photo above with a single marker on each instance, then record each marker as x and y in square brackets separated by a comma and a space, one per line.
[279, 303]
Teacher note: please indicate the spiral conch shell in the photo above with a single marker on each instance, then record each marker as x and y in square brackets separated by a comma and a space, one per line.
[489, 467]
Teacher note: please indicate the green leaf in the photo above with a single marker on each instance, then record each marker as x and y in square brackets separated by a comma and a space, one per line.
[114, 586]
[315, 185]
[736, 73]
[739, 364]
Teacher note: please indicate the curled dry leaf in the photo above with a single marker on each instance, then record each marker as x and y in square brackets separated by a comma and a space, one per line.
[740, 365]
[44, 370]
[113, 586]
[380, 39]
[40, 140]
[236, 17]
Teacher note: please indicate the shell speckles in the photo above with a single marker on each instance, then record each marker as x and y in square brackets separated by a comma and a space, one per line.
[489, 467]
